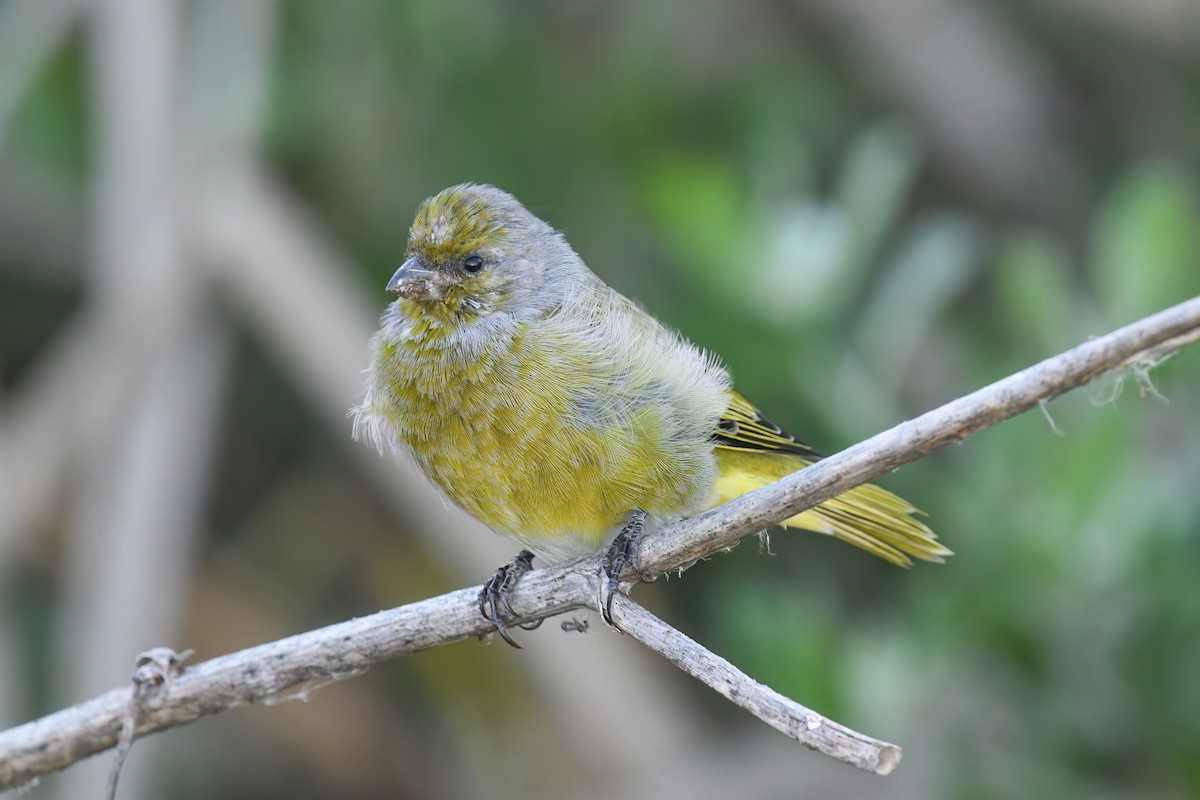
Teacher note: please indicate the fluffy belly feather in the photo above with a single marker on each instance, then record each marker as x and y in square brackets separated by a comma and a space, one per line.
[508, 441]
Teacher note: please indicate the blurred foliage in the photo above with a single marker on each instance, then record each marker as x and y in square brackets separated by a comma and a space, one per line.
[751, 183]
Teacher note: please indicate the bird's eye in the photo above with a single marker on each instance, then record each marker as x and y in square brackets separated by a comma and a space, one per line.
[472, 263]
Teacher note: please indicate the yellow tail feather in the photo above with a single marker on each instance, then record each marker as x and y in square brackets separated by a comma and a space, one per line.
[867, 516]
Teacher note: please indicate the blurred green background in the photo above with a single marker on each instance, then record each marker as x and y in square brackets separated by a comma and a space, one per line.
[867, 209]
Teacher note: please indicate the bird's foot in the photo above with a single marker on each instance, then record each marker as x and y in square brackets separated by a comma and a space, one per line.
[619, 556]
[493, 598]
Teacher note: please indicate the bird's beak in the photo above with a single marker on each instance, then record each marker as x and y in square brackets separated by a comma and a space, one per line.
[415, 282]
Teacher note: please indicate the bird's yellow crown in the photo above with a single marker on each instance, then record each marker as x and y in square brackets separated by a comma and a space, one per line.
[453, 224]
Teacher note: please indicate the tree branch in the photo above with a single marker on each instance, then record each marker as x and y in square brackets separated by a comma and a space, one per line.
[784, 715]
[295, 666]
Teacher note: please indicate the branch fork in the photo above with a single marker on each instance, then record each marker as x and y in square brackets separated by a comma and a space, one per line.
[279, 670]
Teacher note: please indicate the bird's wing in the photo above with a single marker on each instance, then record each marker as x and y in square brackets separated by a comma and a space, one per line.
[752, 451]
[743, 427]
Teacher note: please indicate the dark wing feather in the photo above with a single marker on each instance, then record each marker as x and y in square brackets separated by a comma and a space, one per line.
[743, 427]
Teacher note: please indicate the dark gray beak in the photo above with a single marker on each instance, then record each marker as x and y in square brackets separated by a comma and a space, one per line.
[415, 282]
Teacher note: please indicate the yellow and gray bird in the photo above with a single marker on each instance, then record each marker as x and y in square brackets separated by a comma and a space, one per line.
[558, 412]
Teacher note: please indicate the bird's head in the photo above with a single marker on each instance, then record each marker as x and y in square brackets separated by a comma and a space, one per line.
[474, 249]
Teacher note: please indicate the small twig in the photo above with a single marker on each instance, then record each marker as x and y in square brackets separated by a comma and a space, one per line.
[784, 715]
[152, 675]
[1155, 355]
[1044, 406]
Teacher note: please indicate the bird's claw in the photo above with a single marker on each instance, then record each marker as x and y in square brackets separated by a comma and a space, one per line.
[493, 598]
[620, 555]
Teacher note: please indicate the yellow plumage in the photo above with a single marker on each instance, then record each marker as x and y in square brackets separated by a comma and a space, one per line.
[549, 406]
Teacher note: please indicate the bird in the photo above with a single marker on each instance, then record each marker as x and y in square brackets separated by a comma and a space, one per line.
[560, 413]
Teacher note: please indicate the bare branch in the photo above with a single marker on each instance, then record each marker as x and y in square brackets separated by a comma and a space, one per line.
[286, 669]
[784, 715]
[295, 666]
